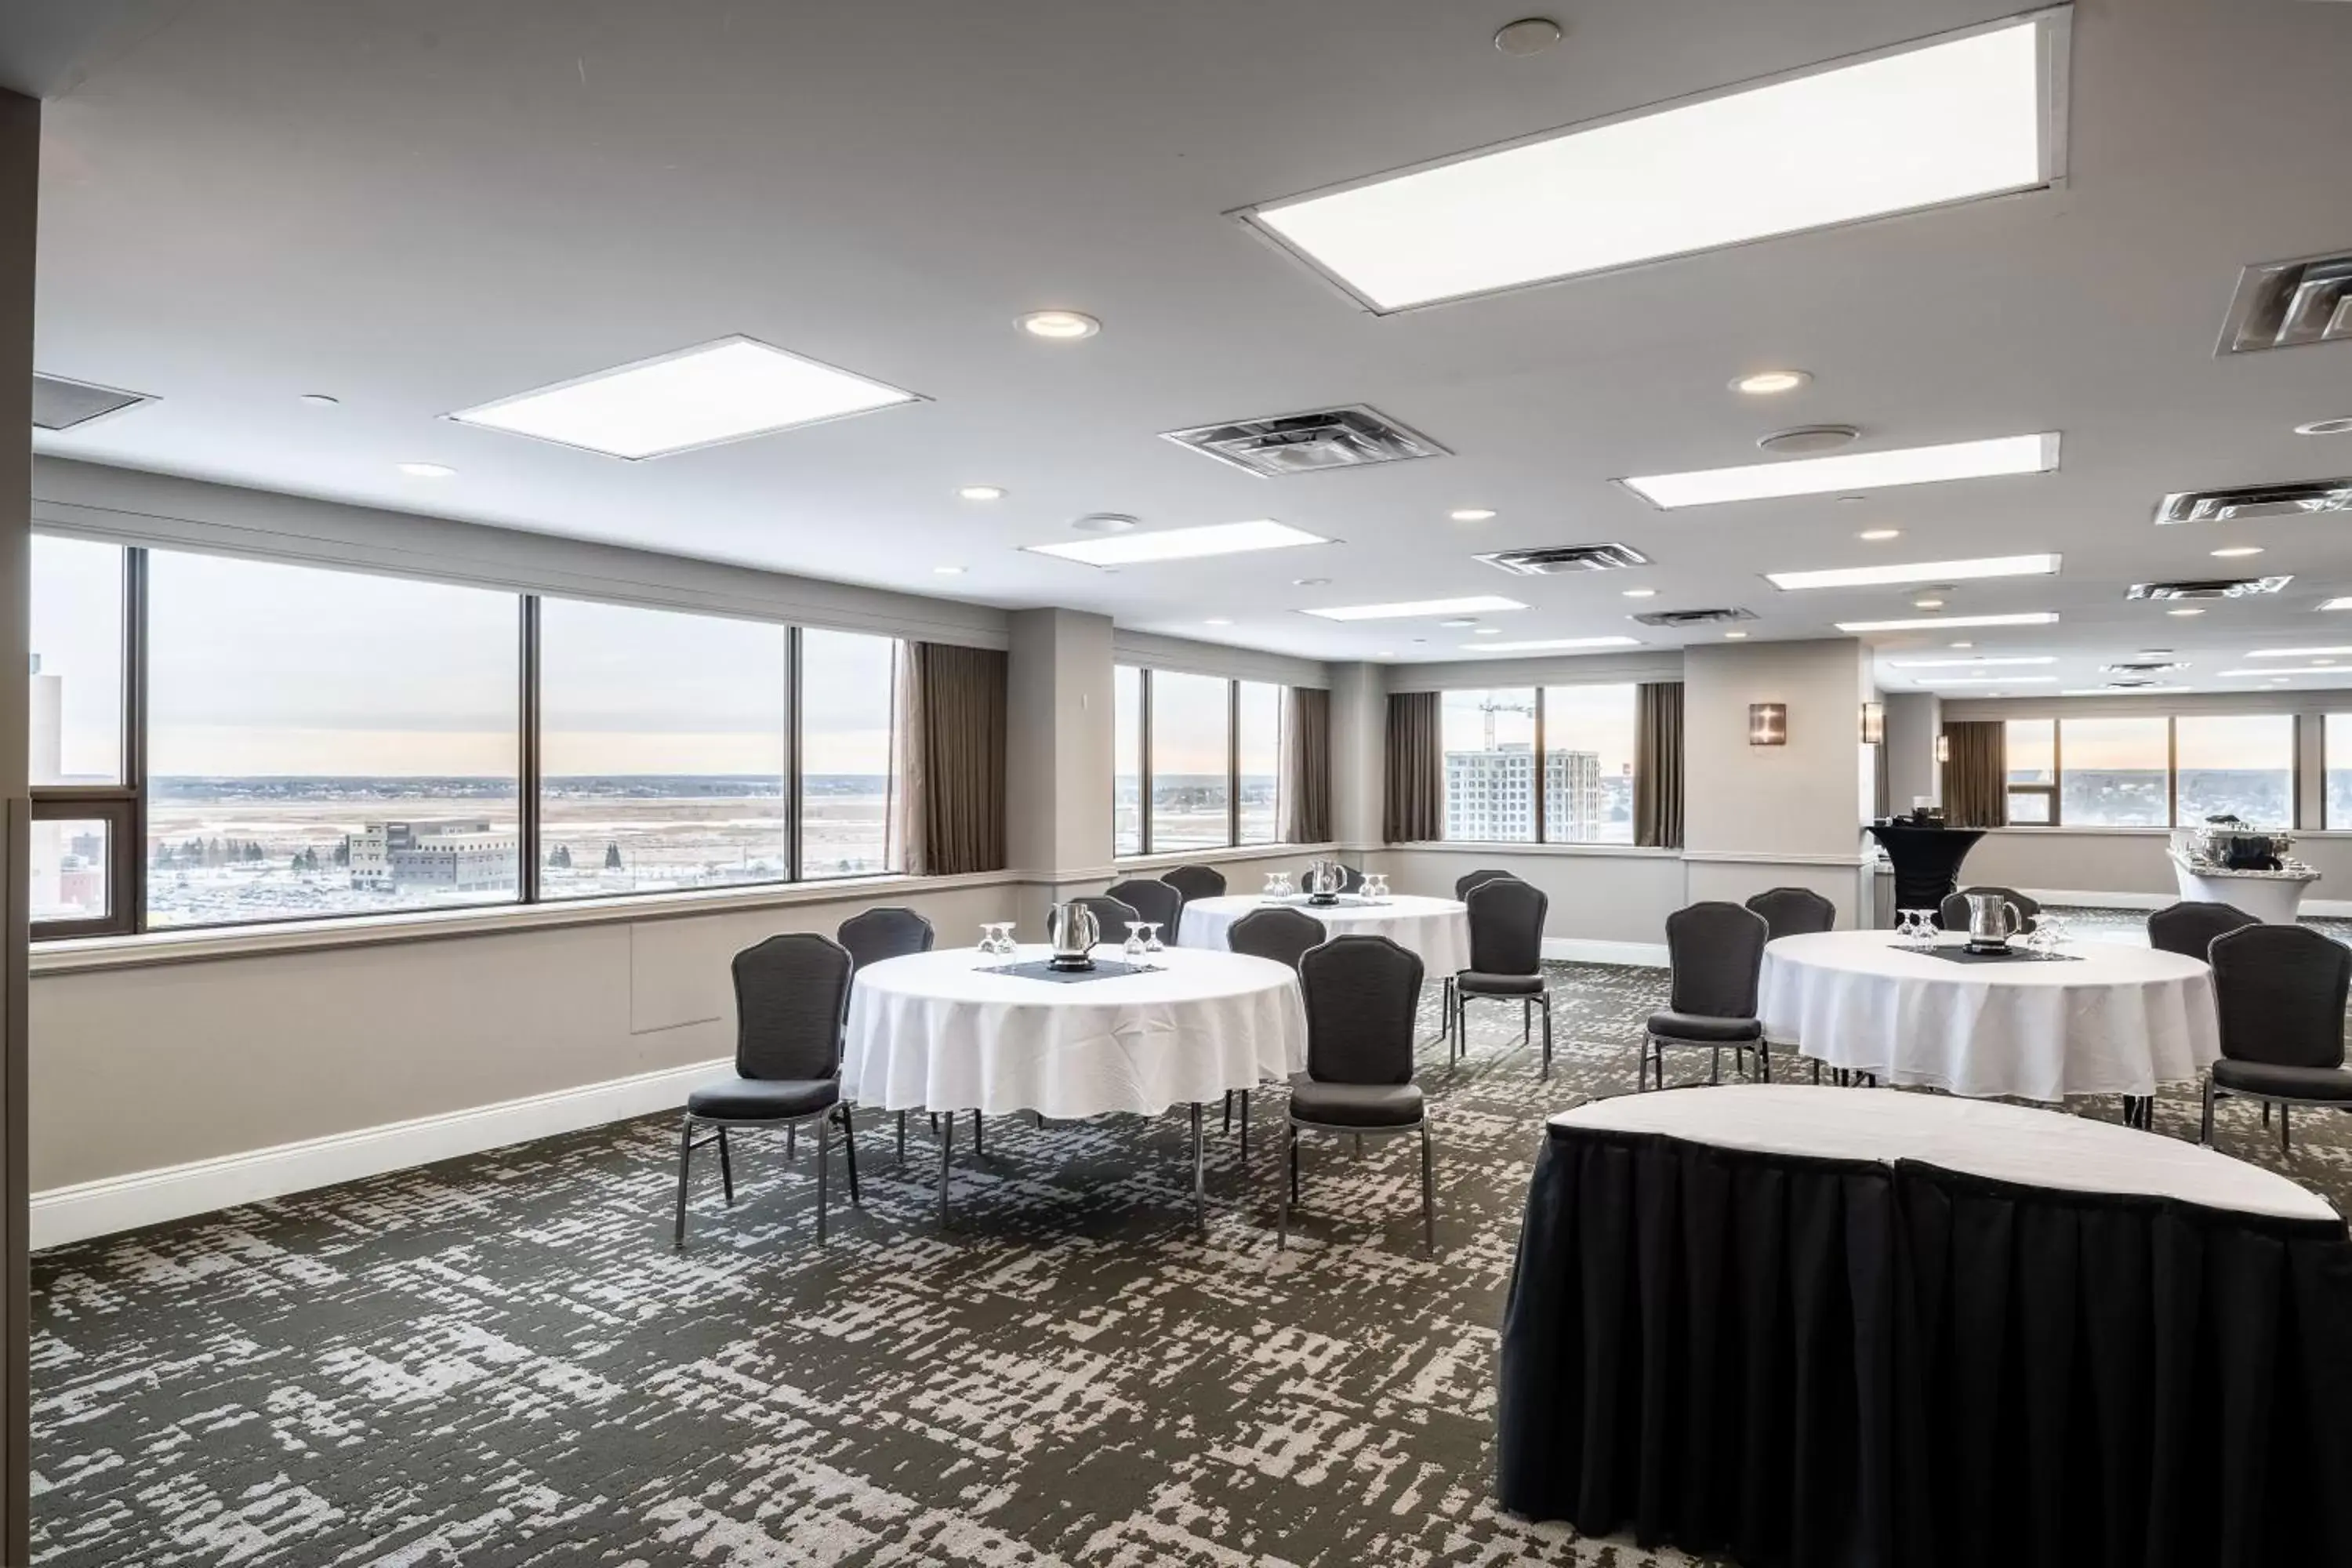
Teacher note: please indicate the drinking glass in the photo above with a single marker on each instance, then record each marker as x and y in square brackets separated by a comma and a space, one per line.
[988, 939]
[1273, 885]
[2056, 928]
[1133, 950]
[1151, 942]
[1005, 947]
[1376, 887]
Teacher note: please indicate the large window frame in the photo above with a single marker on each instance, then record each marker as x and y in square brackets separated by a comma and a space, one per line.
[2054, 792]
[122, 806]
[1540, 805]
[1143, 771]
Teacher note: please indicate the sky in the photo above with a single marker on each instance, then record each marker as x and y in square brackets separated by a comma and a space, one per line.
[2137, 742]
[1597, 719]
[1189, 724]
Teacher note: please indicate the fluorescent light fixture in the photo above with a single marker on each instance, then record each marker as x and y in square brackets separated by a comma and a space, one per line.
[980, 492]
[2344, 604]
[1978, 663]
[1948, 120]
[1878, 535]
[1932, 622]
[1917, 571]
[1849, 470]
[1552, 644]
[2118, 690]
[2299, 653]
[2275, 673]
[1182, 543]
[1476, 604]
[426, 470]
[1943, 681]
[716, 392]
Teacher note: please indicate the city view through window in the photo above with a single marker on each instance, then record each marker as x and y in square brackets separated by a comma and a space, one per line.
[1489, 738]
[2153, 771]
[1215, 762]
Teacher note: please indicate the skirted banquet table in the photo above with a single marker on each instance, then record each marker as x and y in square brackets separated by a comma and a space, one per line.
[1814, 1328]
[1436, 930]
[939, 1032]
[2099, 1018]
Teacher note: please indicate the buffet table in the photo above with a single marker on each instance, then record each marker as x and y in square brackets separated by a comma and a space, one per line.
[2274, 898]
[1814, 1328]
[1437, 929]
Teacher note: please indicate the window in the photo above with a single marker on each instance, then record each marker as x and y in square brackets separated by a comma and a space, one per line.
[2336, 764]
[2115, 773]
[2240, 764]
[1489, 742]
[1191, 780]
[325, 742]
[2032, 746]
[1126, 767]
[1587, 765]
[85, 810]
[849, 693]
[661, 751]
[1257, 762]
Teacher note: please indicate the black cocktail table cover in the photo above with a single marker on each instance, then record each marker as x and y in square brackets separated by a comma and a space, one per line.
[1808, 1364]
[1927, 860]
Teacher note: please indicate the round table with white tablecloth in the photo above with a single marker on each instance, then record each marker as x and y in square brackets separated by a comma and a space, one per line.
[1436, 929]
[2110, 1019]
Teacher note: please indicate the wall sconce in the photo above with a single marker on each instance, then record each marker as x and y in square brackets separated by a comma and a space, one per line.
[1768, 723]
[1874, 723]
[1943, 749]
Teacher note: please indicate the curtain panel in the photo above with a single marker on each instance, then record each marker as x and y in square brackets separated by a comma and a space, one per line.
[1658, 763]
[1415, 812]
[1306, 765]
[951, 721]
[1976, 773]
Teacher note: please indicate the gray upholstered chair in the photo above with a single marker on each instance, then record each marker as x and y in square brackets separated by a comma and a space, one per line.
[2188, 928]
[1113, 915]
[1150, 901]
[1282, 935]
[792, 994]
[2279, 992]
[1953, 914]
[1193, 882]
[1469, 880]
[1793, 911]
[1717, 951]
[1507, 927]
[1363, 996]
[875, 935]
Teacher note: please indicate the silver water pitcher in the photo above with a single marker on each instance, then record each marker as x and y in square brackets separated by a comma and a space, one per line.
[1073, 931]
[1323, 882]
[1992, 921]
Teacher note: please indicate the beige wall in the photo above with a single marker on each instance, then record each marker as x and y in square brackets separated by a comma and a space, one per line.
[1597, 896]
[2126, 861]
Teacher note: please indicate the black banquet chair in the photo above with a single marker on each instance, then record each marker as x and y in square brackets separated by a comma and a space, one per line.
[1717, 953]
[1193, 882]
[1507, 927]
[1469, 880]
[1283, 935]
[1793, 911]
[1953, 914]
[2279, 993]
[792, 995]
[1363, 997]
[875, 935]
[1113, 915]
[1151, 901]
[2188, 928]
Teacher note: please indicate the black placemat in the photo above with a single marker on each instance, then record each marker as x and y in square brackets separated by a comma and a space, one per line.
[1962, 956]
[1042, 969]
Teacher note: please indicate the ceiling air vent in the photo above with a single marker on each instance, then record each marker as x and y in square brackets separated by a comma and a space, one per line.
[1350, 437]
[1562, 558]
[2141, 667]
[60, 405]
[2208, 588]
[1693, 618]
[2303, 499]
[2281, 304]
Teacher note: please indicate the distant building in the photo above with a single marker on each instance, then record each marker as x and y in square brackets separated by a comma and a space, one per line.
[454, 857]
[1490, 795]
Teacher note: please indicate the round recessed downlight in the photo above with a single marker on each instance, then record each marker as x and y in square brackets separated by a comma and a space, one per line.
[320, 399]
[1103, 523]
[1385, 653]
[1062, 326]
[980, 492]
[2186, 610]
[1487, 631]
[1641, 592]
[2326, 427]
[1929, 603]
[1472, 514]
[1528, 35]
[948, 571]
[1735, 637]
[426, 470]
[1217, 621]
[1964, 645]
[1809, 438]
[1877, 534]
[1765, 383]
[2231, 553]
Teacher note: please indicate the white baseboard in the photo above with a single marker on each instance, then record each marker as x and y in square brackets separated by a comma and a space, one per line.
[176, 1192]
[1586, 949]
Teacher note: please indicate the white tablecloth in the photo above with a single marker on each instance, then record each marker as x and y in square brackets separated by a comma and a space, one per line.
[2121, 1021]
[931, 1032]
[2269, 897]
[1436, 929]
[2003, 1142]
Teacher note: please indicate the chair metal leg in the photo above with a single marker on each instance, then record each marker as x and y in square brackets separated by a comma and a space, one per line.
[1244, 1097]
[978, 1148]
[2286, 1143]
[1428, 1194]
[1764, 1061]
[1526, 1020]
[822, 1161]
[1714, 1073]
[902, 1138]
[1817, 1070]
[1200, 1186]
[1229, 1113]
[2266, 1113]
[1294, 1162]
[685, 1158]
[1547, 1018]
[726, 1170]
[792, 1142]
[1289, 1190]
[1359, 1145]
[947, 1150]
[849, 1155]
[2205, 1124]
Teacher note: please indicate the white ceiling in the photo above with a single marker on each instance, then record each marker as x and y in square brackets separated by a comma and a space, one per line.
[419, 205]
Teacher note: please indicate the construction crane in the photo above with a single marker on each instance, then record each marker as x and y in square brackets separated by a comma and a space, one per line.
[1489, 707]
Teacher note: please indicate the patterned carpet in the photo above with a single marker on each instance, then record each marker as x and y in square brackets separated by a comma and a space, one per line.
[500, 1360]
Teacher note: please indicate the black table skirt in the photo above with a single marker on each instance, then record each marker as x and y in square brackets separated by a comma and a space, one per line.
[1807, 1363]
[1926, 861]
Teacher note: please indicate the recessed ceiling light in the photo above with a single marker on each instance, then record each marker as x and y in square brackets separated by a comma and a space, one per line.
[1310, 582]
[1931, 602]
[1475, 603]
[1875, 535]
[712, 393]
[2326, 427]
[2231, 553]
[2322, 661]
[1063, 326]
[1817, 475]
[1980, 661]
[2186, 610]
[426, 470]
[2298, 652]
[1734, 637]
[1458, 622]
[1950, 120]
[1528, 35]
[2344, 604]
[1991, 681]
[1917, 571]
[1933, 623]
[1488, 632]
[1641, 592]
[1765, 383]
[1555, 645]
[1182, 543]
[948, 571]
[1472, 514]
[1103, 523]
[980, 492]
[320, 399]
[1385, 653]
[1217, 621]
[1963, 645]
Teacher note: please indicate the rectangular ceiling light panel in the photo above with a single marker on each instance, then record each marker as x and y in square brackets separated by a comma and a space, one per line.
[1182, 543]
[699, 396]
[1850, 471]
[1935, 623]
[1939, 682]
[1917, 571]
[1950, 119]
[1551, 645]
[2299, 652]
[1969, 663]
[1472, 604]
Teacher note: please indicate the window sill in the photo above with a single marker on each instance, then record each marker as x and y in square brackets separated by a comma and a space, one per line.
[1481, 846]
[1161, 860]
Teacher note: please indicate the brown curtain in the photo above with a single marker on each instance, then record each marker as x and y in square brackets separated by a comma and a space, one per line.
[951, 716]
[1658, 763]
[1976, 773]
[1416, 763]
[1306, 765]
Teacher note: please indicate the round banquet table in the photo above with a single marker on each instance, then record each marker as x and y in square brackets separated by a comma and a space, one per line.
[1438, 930]
[933, 1031]
[2113, 1020]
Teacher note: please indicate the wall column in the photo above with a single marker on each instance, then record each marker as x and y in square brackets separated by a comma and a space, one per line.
[1360, 719]
[1058, 750]
[1915, 722]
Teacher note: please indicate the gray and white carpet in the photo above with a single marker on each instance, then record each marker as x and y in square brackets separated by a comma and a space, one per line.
[500, 1360]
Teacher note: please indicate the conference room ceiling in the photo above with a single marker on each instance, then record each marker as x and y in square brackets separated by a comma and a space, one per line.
[422, 207]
